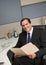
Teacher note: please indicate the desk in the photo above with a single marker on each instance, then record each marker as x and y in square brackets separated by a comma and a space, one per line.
[5, 45]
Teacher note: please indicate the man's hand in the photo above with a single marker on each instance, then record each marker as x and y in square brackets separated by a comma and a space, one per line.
[16, 56]
[32, 56]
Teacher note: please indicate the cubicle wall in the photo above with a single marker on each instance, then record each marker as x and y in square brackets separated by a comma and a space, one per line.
[11, 11]
[34, 10]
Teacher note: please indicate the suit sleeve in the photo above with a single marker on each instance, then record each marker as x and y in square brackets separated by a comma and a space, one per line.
[42, 50]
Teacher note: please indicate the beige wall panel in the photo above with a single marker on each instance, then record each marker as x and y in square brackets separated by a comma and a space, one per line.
[26, 2]
[37, 21]
[4, 29]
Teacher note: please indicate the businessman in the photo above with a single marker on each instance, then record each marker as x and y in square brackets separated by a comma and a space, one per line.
[36, 36]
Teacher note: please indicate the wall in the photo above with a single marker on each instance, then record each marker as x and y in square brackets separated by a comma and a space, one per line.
[34, 10]
[10, 11]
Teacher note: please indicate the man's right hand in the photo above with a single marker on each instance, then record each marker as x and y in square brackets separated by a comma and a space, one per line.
[16, 56]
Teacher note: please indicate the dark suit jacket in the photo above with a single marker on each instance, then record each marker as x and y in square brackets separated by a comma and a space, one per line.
[38, 38]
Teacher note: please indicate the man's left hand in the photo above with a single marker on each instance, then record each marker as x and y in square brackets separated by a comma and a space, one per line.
[32, 56]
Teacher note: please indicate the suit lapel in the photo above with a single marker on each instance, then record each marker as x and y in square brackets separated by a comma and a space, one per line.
[24, 37]
[34, 34]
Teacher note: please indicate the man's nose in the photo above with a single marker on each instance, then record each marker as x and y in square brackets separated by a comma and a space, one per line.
[25, 26]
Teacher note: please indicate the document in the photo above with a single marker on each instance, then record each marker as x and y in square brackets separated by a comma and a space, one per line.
[26, 49]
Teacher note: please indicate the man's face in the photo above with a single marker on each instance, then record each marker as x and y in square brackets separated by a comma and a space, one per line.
[26, 25]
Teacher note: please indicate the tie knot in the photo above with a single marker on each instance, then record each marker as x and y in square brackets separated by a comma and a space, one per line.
[28, 33]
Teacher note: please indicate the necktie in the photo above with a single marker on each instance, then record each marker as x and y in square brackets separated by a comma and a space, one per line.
[28, 39]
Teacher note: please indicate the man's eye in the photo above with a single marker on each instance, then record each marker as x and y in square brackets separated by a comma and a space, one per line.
[22, 25]
[26, 24]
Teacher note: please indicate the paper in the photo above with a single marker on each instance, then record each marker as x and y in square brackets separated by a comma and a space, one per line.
[26, 49]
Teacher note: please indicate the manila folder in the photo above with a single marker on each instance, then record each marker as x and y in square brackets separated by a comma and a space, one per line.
[26, 49]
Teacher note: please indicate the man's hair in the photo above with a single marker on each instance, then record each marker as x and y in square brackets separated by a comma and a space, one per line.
[25, 19]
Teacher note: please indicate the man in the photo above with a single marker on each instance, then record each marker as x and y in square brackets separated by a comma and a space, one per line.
[37, 37]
